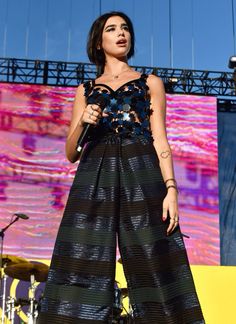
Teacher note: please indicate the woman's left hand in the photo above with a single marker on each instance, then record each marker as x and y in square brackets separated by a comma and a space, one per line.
[170, 205]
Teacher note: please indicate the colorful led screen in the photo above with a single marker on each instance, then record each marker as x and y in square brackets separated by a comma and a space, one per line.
[36, 177]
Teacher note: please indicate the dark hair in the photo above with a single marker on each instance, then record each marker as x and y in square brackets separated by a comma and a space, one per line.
[96, 55]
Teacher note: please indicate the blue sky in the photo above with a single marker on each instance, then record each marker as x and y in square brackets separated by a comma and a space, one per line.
[193, 34]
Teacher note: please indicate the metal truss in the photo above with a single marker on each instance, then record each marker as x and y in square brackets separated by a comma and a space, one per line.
[182, 81]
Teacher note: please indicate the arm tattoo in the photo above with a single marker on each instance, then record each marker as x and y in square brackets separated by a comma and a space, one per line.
[165, 154]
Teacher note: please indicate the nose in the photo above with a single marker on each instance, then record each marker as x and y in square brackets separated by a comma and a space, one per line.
[121, 32]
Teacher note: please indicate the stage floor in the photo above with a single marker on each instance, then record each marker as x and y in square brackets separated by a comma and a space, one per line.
[216, 287]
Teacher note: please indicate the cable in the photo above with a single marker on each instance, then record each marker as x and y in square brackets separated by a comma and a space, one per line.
[46, 31]
[152, 34]
[100, 7]
[69, 32]
[192, 45]
[233, 23]
[5, 31]
[27, 30]
[170, 34]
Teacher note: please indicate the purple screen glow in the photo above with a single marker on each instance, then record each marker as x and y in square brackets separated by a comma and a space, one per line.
[36, 177]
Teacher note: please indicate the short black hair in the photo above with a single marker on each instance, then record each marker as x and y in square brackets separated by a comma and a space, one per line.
[96, 55]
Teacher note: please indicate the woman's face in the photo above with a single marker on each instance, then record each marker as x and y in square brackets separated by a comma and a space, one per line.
[116, 39]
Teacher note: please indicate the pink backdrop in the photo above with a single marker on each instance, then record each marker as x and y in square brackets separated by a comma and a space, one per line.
[36, 177]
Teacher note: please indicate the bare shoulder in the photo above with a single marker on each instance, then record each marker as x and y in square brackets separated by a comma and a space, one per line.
[154, 82]
[81, 91]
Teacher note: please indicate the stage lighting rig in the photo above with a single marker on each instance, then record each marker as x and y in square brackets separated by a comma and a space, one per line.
[232, 65]
[74, 73]
[232, 62]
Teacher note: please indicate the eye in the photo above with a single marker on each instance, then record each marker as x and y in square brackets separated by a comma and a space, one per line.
[110, 29]
[126, 28]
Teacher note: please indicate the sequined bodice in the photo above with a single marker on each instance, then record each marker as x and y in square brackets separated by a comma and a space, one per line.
[128, 107]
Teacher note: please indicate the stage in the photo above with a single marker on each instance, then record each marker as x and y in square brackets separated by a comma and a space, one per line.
[36, 178]
[216, 286]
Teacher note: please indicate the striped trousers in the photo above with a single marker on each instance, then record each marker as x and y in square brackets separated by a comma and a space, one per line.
[117, 196]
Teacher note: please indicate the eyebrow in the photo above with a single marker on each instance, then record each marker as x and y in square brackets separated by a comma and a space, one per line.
[114, 25]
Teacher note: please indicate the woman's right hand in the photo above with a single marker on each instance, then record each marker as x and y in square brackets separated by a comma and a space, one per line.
[92, 114]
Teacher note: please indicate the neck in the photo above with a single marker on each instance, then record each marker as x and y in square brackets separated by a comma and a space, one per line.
[115, 66]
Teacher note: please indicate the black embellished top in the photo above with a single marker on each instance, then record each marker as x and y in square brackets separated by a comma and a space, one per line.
[128, 107]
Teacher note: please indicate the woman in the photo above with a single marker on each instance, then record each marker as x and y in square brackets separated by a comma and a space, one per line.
[125, 188]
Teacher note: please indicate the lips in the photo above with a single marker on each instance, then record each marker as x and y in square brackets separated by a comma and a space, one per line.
[121, 42]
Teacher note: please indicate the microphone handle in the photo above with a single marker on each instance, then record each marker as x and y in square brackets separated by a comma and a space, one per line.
[82, 138]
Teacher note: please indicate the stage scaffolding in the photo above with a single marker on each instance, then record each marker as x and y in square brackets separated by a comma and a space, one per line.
[179, 81]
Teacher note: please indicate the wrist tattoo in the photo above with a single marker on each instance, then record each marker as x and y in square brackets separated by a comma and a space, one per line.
[165, 154]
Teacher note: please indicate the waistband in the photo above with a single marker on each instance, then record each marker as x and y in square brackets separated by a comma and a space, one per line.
[119, 138]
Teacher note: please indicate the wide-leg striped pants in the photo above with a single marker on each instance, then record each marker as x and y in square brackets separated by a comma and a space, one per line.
[117, 193]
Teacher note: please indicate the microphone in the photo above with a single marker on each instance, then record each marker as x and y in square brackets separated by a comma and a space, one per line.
[83, 137]
[22, 216]
[101, 102]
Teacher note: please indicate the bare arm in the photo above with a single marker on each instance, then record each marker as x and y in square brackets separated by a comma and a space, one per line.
[162, 147]
[81, 113]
